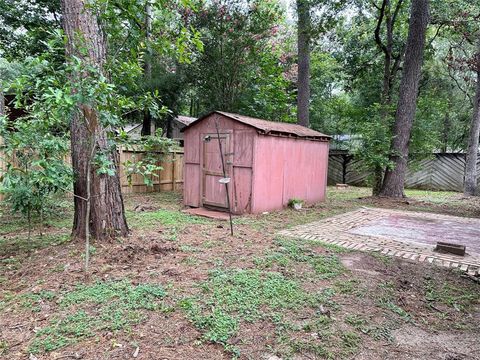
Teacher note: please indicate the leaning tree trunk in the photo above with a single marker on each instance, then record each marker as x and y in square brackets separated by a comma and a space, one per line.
[470, 186]
[303, 81]
[107, 215]
[394, 181]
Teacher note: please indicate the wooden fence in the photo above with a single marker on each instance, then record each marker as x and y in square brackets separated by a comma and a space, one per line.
[170, 178]
[442, 171]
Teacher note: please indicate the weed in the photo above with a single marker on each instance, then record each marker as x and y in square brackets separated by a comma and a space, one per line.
[92, 250]
[3, 347]
[88, 309]
[457, 297]
[167, 218]
[350, 341]
[380, 333]
[10, 263]
[310, 347]
[349, 287]
[330, 247]
[289, 251]
[386, 260]
[356, 321]
[190, 261]
[189, 249]
[386, 300]
[209, 244]
[57, 268]
[320, 323]
[33, 301]
[231, 297]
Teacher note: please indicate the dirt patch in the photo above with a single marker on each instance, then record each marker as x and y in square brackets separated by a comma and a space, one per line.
[361, 263]
[422, 344]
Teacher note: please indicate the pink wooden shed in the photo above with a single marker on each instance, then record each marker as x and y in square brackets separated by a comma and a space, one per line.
[268, 162]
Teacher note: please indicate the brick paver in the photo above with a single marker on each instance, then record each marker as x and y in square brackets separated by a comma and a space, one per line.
[359, 230]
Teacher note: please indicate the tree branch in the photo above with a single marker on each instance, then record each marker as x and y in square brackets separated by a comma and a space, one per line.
[381, 15]
[395, 13]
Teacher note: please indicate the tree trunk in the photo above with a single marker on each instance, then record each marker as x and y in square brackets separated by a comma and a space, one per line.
[107, 215]
[303, 81]
[470, 186]
[391, 64]
[394, 180]
[2, 103]
[147, 117]
[446, 131]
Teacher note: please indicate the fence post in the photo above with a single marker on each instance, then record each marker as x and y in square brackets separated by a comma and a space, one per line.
[174, 159]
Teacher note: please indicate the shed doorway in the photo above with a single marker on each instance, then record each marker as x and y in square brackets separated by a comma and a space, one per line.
[213, 192]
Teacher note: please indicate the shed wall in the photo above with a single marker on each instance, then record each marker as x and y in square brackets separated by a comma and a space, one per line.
[287, 168]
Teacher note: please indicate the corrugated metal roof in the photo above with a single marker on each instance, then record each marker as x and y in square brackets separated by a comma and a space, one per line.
[271, 127]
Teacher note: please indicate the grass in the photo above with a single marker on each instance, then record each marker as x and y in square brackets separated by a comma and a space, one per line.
[459, 298]
[231, 297]
[289, 252]
[89, 309]
[13, 248]
[173, 220]
[386, 300]
[58, 214]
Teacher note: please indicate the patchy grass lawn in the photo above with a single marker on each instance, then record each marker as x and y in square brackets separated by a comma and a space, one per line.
[180, 287]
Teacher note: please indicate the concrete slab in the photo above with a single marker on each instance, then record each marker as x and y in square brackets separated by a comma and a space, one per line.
[211, 214]
[399, 233]
[412, 229]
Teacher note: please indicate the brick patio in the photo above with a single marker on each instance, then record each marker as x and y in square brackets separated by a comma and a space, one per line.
[403, 234]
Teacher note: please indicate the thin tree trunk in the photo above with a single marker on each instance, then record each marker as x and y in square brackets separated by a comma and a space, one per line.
[470, 186]
[446, 131]
[394, 180]
[147, 117]
[2, 103]
[303, 81]
[107, 215]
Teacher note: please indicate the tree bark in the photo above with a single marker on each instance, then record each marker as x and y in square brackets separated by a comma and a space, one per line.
[107, 215]
[470, 185]
[147, 117]
[303, 81]
[2, 103]
[394, 180]
[391, 66]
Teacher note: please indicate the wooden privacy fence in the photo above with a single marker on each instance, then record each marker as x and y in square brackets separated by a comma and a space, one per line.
[442, 171]
[170, 178]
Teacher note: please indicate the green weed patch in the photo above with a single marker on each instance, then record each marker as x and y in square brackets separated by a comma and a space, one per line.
[89, 309]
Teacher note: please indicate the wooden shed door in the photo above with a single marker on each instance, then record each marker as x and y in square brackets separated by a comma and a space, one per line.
[213, 192]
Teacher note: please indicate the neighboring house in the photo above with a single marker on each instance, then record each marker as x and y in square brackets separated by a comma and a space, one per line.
[134, 131]
[180, 122]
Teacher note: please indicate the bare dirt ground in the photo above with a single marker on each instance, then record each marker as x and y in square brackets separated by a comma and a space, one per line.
[179, 287]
